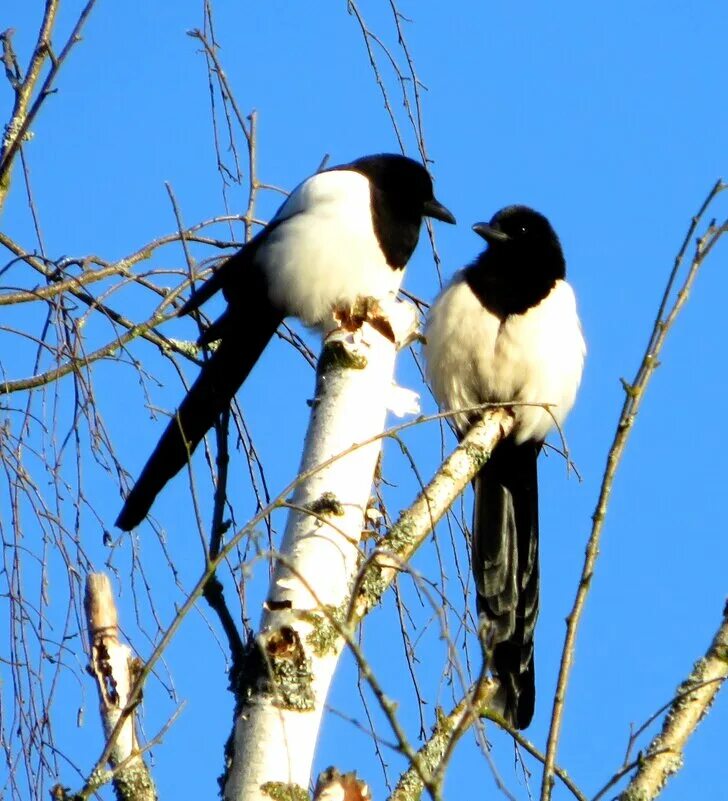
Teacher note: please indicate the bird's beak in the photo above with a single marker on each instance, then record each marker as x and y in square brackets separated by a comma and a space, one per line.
[433, 208]
[490, 233]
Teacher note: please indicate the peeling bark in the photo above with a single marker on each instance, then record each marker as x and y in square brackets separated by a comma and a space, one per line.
[332, 785]
[115, 668]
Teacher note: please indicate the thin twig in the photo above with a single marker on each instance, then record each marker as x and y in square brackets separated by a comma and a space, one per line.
[465, 449]
[634, 394]
[23, 114]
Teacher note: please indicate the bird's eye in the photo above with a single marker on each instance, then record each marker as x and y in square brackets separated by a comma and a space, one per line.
[523, 229]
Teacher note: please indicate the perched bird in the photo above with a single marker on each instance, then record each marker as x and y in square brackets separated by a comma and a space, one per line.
[343, 233]
[506, 329]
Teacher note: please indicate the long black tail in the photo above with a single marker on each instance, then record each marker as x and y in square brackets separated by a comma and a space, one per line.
[505, 566]
[243, 338]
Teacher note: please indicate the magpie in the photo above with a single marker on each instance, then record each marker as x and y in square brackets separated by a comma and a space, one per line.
[343, 233]
[506, 328]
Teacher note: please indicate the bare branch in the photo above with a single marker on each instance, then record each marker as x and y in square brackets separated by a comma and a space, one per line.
[24, 112]
[114, 669]
[634, 393]
[693, 698]
[415, 523]
[447, 731]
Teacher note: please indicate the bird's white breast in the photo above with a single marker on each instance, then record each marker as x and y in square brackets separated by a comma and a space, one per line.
[325, 252]
[475, 357]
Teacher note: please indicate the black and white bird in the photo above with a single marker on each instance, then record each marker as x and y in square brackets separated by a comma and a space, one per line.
[506, 329]
[344, 233]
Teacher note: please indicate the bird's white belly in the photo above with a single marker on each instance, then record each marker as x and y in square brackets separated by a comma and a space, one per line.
[324, 265]
[325, 251]
[535, 358]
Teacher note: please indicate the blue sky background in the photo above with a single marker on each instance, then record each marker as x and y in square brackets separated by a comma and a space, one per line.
[608, 119]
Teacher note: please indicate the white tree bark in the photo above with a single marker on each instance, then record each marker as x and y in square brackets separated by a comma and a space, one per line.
[114, 667]
[277, 726]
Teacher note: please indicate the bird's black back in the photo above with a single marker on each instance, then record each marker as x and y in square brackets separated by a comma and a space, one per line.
[399, 188]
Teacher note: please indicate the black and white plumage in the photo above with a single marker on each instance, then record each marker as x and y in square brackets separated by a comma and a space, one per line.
[506, 329]
[343, 233]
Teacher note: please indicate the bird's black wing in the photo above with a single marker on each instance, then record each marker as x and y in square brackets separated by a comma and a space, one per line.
[232, 276]
[505, 567]
[243, 330]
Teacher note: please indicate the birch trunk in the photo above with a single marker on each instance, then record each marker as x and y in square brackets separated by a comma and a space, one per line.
[288, 673]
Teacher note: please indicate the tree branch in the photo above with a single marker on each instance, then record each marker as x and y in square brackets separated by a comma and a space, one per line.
[24, 112]
[416, 522]
[693, 698]
[115, 669]
[634, 394]
[433, 756]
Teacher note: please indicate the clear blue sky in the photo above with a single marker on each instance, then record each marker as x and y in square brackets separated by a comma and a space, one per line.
[609, 119]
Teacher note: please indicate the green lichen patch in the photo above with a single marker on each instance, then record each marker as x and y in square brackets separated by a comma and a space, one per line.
[337, 356]
[325, 628]
[133, 783]
[477, 454]
[402, 535]
[372, 585]
[281, 791]
[289, 670]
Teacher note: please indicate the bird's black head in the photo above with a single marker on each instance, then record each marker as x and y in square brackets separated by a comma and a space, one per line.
[522, 263]
[402, 194]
